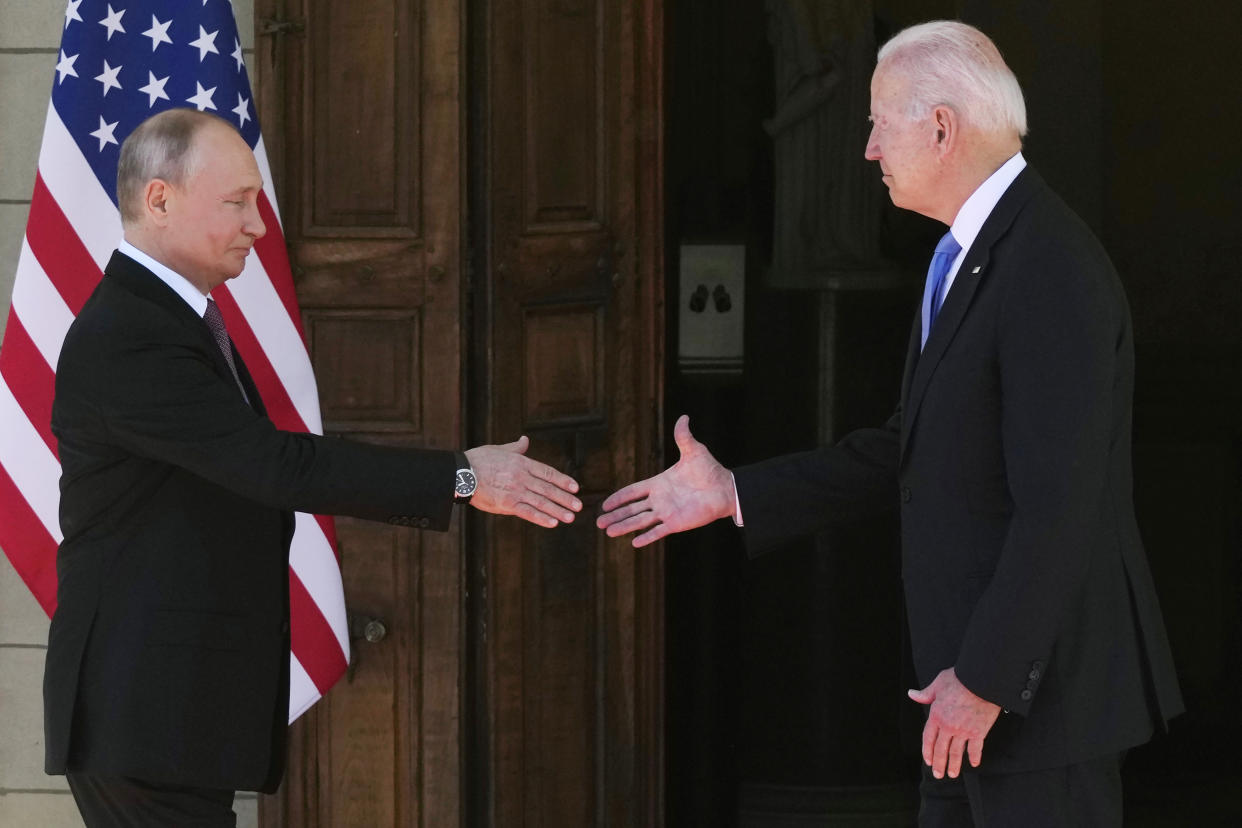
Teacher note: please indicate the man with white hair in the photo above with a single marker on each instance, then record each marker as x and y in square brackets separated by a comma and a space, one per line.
[1033, 620]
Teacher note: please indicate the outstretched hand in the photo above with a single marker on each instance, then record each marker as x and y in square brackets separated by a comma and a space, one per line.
[957, 722]
[512, 484]
[693, 492]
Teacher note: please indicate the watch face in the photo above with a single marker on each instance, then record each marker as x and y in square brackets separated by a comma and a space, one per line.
[466, 483]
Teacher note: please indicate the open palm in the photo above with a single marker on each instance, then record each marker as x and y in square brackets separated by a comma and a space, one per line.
[692, 492]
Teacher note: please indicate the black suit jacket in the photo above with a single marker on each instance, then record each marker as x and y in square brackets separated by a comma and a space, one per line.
[168, 652]
[1009, 458]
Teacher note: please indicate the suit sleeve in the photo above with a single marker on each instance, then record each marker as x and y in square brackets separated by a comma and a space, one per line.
[797, 494]
[154, 393]
[1060, 329]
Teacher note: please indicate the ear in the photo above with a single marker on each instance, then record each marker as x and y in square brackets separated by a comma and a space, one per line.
[946, 127]
[155, 198]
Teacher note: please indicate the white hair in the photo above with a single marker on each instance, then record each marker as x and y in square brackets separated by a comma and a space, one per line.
[948, 63]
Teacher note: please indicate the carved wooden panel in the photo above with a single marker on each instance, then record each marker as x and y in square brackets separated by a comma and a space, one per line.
[367, 367]
[564, 367]
[363, 117]
[565, 114]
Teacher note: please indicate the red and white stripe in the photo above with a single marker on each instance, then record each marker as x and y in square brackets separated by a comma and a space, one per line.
[72, 230]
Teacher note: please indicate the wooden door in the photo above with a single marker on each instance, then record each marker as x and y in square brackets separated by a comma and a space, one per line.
[544, 710]
[362, 113]
[567, 623]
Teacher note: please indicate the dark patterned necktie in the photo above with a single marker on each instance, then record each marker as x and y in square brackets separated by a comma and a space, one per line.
[215, 322]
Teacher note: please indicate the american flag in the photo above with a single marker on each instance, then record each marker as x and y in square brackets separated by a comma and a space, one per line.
[120, 62]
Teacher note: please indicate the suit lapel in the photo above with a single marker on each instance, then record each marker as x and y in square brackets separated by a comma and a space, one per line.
[920, 368]
[142, 282]
[912, 359]
[252, 391]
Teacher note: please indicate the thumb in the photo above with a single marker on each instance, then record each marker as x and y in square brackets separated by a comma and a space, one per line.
[924, 696]
[681, 434]
[518, 446]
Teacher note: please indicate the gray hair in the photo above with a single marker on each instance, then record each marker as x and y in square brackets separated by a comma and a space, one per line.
[948, 63]
[162, 147]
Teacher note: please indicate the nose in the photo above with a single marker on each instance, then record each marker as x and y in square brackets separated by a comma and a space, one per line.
[872, 152]
[254, 227]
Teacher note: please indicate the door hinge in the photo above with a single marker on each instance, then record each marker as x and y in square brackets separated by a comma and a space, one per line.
[275, 26]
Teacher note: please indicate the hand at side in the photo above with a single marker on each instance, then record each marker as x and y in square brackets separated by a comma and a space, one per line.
[693, 492]
[512, 484]
[957, 722]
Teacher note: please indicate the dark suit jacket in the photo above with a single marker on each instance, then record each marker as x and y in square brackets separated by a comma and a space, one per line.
[1009, 458]
[168, 653]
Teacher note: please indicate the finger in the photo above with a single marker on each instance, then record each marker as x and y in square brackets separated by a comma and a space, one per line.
[621, 513]
[658, 531]
[632, 492]
[955, 757]
[530, 514]
[940, 753]
[643, 520]
[681, 434]
[974, 749]
[556, 494]
[518, 446]
[930, 731]
[924, 696]
[548, 506]
[544, 472]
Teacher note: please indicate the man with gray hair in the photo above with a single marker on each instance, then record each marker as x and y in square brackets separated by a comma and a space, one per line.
[1033, 620]
[167, 677]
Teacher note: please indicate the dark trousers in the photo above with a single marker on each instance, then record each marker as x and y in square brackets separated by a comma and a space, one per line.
[1086, 795]
[122, 802]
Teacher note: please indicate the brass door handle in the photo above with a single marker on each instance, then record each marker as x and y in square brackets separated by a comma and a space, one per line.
[366, 628]
[362, 628]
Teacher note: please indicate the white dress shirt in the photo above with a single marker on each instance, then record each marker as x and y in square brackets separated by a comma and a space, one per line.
[180, 285]
[978, 207]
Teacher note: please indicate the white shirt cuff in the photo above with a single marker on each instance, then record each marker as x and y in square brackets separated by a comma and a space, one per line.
[737, 503]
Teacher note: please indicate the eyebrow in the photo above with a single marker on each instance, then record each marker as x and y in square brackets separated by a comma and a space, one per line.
[242, 191]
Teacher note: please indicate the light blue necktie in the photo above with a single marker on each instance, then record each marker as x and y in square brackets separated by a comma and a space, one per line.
[933, 291]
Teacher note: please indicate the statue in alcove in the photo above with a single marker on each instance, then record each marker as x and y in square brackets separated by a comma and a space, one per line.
[829, 200]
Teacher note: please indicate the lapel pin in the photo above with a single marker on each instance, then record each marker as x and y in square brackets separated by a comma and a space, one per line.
[976, 270]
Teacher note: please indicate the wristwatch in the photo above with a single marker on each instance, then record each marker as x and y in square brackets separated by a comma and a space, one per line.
[465, 482]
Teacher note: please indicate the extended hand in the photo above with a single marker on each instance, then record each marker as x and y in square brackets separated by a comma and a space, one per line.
[958, 720]
[693, 492]
[512, 484]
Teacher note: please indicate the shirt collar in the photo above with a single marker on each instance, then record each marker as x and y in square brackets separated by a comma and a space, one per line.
[180, 285]
[979, 206]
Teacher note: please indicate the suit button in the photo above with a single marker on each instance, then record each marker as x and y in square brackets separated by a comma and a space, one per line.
[1026, 695]
[423, 523]
[394, 520]
[1032, 684]
[1033, 675]
[1037, 665]
[905, 494]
